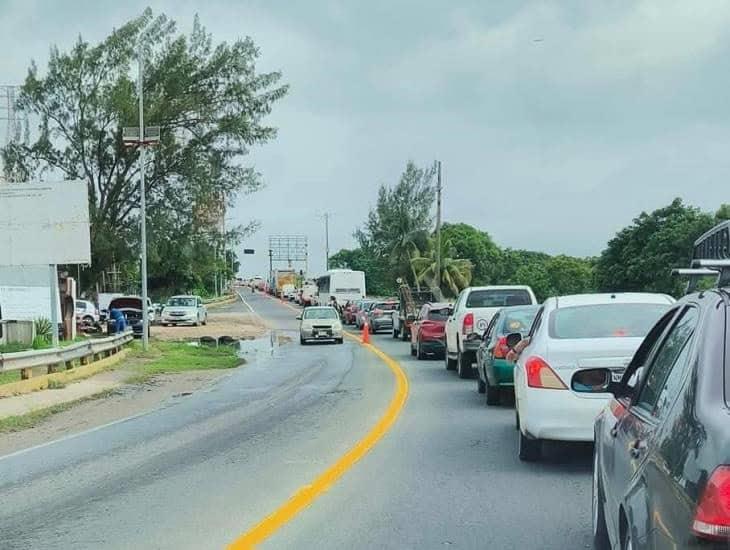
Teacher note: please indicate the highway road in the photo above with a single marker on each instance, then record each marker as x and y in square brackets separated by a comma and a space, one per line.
[202, 470]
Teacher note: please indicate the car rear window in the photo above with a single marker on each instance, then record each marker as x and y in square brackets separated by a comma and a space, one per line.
[518, 321]
[386, 306]
[181, 302]
[438, 314]
[498, 298]
[605, 320]
[325, 313]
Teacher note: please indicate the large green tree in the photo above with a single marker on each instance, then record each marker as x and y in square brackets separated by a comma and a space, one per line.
[400, 222]
[640, 257]
[477, 246]
[455, 272]
[210, 102]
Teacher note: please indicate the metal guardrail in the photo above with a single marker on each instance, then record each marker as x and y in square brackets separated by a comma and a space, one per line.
[50, 357]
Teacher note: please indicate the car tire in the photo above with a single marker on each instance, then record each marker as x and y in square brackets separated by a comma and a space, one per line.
[481, 385]
[205, 320]
[413, 350]
[463, 364]
[302, 341]
[340, 340]
[493, 395]
[395, 334]
[404, 335]
[600, 530]
[88, 319]
[448, 361]
[530, 450]
[419, 352]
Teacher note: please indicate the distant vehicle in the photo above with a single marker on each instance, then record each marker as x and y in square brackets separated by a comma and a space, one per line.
[361, 315]
[185, 309]
[283, 280]
[572, 333]
[320, 323]
[428, 329]
[661, 474]
[87, 312]
[350, 311]
[131, 308]
[473, 310]
[494, 371]
[343, 284]
[309, 294]
[410, 303]
[380, 316]
[287, 291]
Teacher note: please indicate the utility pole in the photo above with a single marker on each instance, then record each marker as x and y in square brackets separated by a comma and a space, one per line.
[438, 226]
[142, 201]
[327, 240]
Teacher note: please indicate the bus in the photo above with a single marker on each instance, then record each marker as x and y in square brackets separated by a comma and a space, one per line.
[343, 284]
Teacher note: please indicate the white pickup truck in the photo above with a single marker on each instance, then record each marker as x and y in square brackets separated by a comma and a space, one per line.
[473, 310]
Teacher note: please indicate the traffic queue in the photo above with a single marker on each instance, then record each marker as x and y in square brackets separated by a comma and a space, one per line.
[643, 376]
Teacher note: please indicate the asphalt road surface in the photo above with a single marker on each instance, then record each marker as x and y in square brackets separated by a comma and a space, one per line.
[203, 469]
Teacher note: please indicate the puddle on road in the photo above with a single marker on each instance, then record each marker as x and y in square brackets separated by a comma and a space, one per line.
[261, 348]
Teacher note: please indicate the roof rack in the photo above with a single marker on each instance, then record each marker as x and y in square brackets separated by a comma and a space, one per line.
[710, 257]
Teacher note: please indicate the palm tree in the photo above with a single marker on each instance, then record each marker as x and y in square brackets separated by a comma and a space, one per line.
[408, 247]
[455, 272]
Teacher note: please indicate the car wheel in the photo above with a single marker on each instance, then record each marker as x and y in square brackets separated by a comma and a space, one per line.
[419, 352]
[600, 531]
[302, 341]
[395, 334]
[463, 361]
[404, 335]
[205, 320]
[530, 450]
[448, 361]
[88, 319]
[340, 340]
[492, 394]
[413, 350]
[481, 385]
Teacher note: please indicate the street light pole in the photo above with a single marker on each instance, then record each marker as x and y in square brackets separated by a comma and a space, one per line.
[142, 201]
[438, 227]
[327, 240]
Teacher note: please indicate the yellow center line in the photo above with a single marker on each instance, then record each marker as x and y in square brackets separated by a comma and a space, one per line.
[306, 494]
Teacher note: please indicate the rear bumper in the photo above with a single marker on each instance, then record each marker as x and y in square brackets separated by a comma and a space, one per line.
[502, 372]
[434, 346]
[381, 323]
[558, 414]
[470, 344]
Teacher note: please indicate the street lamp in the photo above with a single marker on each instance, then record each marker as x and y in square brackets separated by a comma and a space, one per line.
[142, 137]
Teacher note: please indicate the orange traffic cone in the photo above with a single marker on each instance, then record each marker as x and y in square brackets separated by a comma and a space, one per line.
[365, 333]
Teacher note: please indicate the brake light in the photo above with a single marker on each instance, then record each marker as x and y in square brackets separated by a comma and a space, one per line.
[712, 517]
[540, 375]
[501, 349]
[468, 324]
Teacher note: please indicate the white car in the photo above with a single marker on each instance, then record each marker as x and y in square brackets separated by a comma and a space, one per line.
[320, 323]
[87, 312]
[185, 310]
[473, 309]
[571, 333]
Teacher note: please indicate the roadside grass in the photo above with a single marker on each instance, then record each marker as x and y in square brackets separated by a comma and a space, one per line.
[172, 357]
[34, 418]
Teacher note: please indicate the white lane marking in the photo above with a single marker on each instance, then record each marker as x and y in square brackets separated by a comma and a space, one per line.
[245, 303]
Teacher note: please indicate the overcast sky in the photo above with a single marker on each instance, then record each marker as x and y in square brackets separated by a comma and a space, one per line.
[556, 122]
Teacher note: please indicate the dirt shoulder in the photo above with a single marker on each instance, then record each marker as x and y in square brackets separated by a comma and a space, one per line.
[220, 323]
[121, 401]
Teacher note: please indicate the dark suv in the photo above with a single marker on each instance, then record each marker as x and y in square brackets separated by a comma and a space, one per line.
[662, 447]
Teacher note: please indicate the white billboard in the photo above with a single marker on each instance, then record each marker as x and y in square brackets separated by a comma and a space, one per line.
[44, 223]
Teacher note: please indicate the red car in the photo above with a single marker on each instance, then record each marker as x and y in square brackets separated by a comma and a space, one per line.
[349, 313]
[428, 330]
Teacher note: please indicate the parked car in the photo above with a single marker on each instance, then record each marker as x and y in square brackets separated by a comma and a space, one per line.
[131, 308]
[320, 323]
[494, 371]
[572, 333]
[362, 313]
[428, 328]
[87, 312]
[473, 310]
[185, 309]
[380, 316]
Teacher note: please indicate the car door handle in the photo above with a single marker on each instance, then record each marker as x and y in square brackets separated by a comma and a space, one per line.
[637, 448]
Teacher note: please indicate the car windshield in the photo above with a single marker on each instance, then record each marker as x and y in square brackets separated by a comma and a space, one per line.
[317, 313]
[518, 320]
[498, 298]
[438, 314]
[605, 320]
[181, 302]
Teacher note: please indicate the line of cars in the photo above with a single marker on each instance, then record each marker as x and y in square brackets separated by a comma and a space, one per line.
[642, 375]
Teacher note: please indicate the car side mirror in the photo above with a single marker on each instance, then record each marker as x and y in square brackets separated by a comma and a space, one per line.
[593, 381]
[299, 317]
[513, 339]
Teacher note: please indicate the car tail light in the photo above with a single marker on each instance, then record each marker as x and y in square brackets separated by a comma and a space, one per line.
[501, 349]
[468, 324]
[540, 375]
[712, 517]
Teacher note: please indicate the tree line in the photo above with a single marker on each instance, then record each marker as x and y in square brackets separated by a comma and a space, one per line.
[210, 102]
[398, 241]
